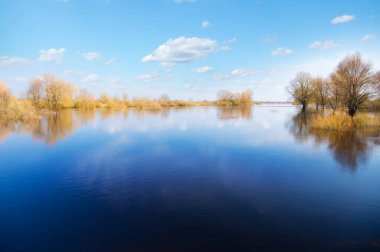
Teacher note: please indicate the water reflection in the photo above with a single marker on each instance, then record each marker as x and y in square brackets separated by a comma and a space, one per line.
[51, 128]
[349, 148]
[226, 113]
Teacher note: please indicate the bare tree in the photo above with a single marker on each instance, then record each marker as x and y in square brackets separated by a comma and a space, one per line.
[246, 97]
[57, 92]
[332, 94]
[226, 97]
[35, 91]
[355, 82]
[377, 81]
[301, 89]
[320, 91]
[5, 96]
[164, 98]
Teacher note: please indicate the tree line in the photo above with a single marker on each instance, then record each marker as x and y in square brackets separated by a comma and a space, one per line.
[52, 94]
[350, 86]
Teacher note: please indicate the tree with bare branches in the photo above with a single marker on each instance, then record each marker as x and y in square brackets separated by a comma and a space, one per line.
[35, 91]
[377, 81]
[355, 82]
[320, 91]
[301, 89]
[57, 92]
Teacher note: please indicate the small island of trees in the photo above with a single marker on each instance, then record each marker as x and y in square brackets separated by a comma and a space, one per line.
[351, 87]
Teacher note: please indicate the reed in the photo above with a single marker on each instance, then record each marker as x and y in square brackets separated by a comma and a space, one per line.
[341, 121]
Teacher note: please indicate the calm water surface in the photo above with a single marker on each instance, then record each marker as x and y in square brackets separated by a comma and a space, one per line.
[200, 179]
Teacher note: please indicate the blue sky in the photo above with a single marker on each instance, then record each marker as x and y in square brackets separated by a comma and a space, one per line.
[185, 48]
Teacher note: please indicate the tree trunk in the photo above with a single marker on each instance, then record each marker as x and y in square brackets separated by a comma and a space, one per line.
[352, 111]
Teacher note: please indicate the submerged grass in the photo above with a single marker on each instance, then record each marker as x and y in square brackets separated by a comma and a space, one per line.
[341, 121]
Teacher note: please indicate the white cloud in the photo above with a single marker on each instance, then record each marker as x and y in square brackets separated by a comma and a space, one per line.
[241, 72]
[236, 73]
[9, 61]
[52, 55]
[182, 50]
[368, 37]
[220, 77]
[326, 44]
[109, 61]
[204, 70]
[153, 76]
[91, 56]
[184, 1]
[282, 51]
[206, 24]
[343, 19]
[231, 40]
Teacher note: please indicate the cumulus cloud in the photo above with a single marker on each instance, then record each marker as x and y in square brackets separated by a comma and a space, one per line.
[182, 50]
[282, 51]
[91, 56]
[206, 24]
[52, 55]
[368, 37]
[153, 76]
[343, 19]
[9, 61]
[204, 70]
[326, 44]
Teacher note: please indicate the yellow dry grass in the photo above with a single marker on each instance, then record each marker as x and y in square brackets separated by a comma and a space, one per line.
[341, 121]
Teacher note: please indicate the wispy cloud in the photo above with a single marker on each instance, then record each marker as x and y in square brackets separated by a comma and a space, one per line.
[206, 24]
[236, 73]
[326, 44]
[242, 72]
[368, 37]
[343, 19]
[153, 76]
[282, 51]
[9, 61]
[203, 70]
[91, 56]
[52, 55]
[109, 61]
[182, 50]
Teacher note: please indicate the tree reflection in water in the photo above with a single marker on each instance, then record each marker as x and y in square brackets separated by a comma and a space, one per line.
[232, 112]
[52, 127]
[349, 148]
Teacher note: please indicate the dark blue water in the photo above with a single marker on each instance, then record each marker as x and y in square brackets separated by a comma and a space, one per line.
[201, 179]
